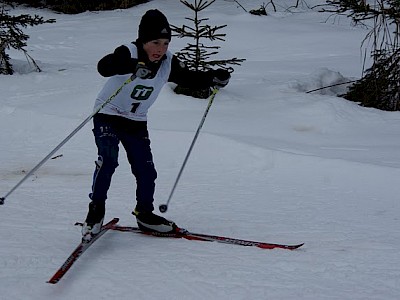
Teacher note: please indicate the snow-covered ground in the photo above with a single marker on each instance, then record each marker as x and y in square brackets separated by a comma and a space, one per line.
[272, 163]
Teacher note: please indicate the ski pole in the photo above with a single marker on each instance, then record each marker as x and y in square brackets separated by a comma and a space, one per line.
[164, 207]
[97, 109]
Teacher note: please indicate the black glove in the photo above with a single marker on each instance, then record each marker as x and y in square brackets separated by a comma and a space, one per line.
[221, 78]
[142, 71]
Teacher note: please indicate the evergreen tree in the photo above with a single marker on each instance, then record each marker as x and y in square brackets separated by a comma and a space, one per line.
[197, 55]
[78, 6]
[380, 85]
[12, 36]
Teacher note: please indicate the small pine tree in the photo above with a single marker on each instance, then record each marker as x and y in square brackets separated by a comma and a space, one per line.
[380, 85]
[197, 55]
[12, 36]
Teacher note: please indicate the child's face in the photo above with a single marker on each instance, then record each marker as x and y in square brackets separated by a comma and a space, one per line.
[156, 49]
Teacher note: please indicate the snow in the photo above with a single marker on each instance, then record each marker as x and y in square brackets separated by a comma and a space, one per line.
[272, 163]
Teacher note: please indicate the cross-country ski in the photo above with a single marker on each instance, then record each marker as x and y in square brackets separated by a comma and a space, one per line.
[180, 233]
[82, 247]
[185, 234]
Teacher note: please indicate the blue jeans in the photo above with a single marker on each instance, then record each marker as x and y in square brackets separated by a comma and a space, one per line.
[109, 131]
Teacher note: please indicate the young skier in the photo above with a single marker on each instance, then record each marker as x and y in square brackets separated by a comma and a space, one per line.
[150, 65]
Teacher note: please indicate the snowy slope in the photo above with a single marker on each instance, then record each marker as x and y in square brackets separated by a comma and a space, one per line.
[272, 163]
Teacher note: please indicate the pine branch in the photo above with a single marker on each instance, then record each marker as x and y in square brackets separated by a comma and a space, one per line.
[12, 36]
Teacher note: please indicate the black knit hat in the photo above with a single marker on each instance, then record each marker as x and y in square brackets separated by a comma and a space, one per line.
[154, 25]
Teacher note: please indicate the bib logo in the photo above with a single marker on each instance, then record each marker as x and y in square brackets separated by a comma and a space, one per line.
[141, 92]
